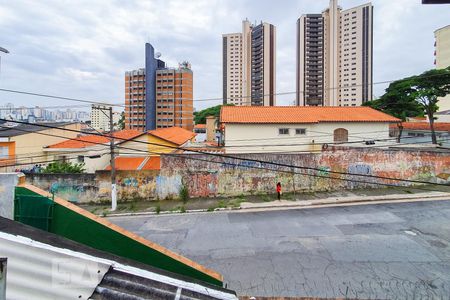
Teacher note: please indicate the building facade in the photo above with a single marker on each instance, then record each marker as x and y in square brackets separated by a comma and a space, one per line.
[442, 59]
[157, 96]
[334, 56]
[283, 129]
[174, 97]
[249, 65]
[100, 117]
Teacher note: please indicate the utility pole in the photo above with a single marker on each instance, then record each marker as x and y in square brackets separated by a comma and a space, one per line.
[112, 154]
[113, 163]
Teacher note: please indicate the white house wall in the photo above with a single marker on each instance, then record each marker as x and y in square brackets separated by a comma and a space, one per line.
[261, 138]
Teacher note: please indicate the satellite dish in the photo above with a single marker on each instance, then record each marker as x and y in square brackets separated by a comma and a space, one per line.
[157, 54]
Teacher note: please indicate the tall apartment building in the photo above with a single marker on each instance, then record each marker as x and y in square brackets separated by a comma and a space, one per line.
[442, 58]
[334, 56]
[174, 97]
[100, 117]
[151, 102]
[249, 65]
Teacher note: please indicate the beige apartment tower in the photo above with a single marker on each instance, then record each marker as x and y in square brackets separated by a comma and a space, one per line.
[249, 62]
[334, 56]
[442, 59]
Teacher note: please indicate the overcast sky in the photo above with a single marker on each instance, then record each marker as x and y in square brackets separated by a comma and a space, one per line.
[82, 48]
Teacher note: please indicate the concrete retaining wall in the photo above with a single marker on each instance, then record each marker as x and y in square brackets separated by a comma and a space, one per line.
[210, 176]
[215, 176]
[8, 182]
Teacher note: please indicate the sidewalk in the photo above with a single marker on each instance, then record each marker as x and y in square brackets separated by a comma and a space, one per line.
[347, 200]
[323, 202]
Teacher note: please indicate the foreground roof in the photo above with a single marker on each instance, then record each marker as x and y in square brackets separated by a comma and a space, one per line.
[176, 135]
[28, 128]
[42, 265]
[301, 114]
[133, 163]
[438, 126]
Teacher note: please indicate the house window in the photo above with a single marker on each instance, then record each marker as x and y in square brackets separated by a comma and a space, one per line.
[283, 130]
[80, 159]
[299, 131]
[340, 135]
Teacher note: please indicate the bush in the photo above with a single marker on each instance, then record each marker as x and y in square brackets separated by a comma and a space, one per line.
[184, 193]
[59, 167]
[158, 209]
[182, 209]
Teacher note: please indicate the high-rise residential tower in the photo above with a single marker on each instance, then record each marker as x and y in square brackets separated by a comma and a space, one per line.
[174, 97]
[249, 65]
[334, 56]
[442, 58]
[157, 96]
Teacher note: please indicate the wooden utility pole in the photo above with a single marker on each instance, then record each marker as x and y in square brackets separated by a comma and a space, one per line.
[113, 162]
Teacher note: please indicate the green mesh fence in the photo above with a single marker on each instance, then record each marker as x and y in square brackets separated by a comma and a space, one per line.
[33, 209]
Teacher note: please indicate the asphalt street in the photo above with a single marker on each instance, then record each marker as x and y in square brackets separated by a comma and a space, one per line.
[383, 251]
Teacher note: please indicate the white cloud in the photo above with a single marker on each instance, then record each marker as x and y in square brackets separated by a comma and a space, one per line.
[82, 48]
[78, 74]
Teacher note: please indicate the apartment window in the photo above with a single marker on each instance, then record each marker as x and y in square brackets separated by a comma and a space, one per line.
[283, 131]
[300, 131]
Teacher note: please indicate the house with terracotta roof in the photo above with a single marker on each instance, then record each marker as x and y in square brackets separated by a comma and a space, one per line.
[142, 151]
[419, 133]
[92, 150]
[21, 144]
[266, 129]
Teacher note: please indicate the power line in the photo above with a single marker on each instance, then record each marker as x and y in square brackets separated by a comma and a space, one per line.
[195, 100]
[255, 160]
[58, 97]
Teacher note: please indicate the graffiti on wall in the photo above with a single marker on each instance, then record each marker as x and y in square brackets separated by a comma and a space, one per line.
[68, 191]
[324, 171]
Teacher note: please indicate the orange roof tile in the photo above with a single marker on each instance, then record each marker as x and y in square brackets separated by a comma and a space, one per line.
[200, 126]
[81, 142]
[438, 126]
[132, 163]
[153, 163]
[176, 135]
[301, 114]
[127, 134]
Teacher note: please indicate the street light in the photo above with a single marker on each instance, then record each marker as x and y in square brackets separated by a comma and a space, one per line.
[4, 51]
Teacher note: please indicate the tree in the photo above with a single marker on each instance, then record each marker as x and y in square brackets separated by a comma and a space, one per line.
[121, 123]
[60, 167]
[200, 116]
[426, 88]
[415, 96]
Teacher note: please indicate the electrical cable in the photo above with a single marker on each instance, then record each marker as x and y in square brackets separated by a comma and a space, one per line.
[259, 161]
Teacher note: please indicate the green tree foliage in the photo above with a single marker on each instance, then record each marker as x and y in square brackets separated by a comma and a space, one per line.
[60, 167]
[200, 116]
[415, 96]
[121, 123]
[426, 89]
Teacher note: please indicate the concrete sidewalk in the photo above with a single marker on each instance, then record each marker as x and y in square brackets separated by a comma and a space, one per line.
[330, 201]
[346, 200]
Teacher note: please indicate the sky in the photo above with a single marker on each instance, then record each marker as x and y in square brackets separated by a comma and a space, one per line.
[81, 49]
